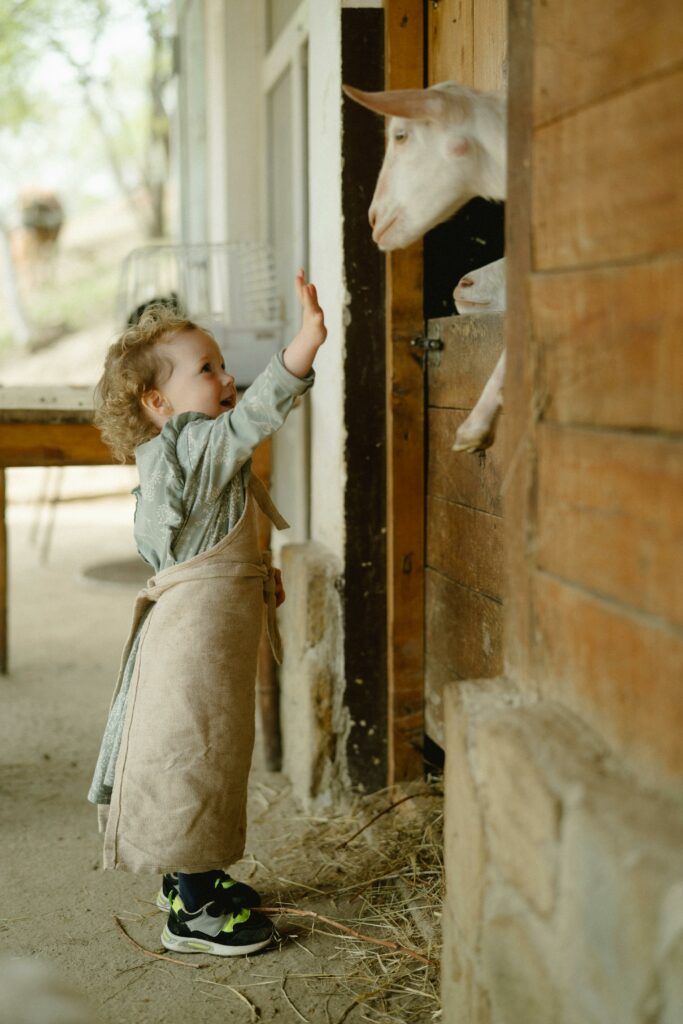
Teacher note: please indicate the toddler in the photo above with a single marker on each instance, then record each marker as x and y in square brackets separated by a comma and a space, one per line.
[171, 777]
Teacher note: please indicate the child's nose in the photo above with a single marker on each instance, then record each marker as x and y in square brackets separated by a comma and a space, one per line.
[228, 378]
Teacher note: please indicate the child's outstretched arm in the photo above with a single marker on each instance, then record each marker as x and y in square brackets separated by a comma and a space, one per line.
[299, 355]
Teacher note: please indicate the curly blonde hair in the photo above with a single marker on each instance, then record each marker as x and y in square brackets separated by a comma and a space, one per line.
[133, 366]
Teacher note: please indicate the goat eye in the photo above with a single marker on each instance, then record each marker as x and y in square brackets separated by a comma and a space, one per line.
[400, 136]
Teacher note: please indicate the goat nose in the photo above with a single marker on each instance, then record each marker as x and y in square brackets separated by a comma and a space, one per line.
[466, 282]
[372, 216]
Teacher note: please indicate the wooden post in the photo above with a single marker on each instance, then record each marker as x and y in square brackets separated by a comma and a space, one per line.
[404, 68]
[520, 424]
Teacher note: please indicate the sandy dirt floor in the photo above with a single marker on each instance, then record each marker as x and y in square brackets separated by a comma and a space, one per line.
[66, 634]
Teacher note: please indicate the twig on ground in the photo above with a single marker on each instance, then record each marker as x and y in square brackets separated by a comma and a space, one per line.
[253, 1011]
[347, 1011]
[297, 1012]
[385, 810]
[149, 952]
[300, 885]
[395, 946]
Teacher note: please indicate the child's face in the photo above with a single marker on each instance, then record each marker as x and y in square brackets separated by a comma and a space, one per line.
[198, 381]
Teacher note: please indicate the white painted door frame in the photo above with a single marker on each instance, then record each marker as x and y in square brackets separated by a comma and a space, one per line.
[287, 56]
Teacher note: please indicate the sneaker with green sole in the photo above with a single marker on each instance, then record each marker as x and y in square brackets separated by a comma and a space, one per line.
[213, 930]
[232, 895]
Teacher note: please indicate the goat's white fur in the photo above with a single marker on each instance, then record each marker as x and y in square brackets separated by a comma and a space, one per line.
[446, 145]
[482, 290]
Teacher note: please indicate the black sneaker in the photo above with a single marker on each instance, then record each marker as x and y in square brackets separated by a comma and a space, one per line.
[169, 887]
[232, 895]
[212, 930]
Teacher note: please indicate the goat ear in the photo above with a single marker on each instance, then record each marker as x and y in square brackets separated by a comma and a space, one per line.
[419, 104]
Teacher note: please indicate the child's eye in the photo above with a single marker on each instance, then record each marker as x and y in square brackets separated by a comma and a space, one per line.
[206, 368]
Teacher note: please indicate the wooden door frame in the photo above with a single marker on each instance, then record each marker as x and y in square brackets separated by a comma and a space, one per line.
[404, 28]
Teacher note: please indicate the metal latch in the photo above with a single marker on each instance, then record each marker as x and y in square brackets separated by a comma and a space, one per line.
[426, 350]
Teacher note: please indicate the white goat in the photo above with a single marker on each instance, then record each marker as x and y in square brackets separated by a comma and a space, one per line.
[482, 290]
[446, 145]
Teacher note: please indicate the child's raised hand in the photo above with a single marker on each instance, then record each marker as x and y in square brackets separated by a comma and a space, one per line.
[301, 351]
[313, 320]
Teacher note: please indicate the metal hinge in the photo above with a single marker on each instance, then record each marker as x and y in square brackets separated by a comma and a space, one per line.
[426, 350]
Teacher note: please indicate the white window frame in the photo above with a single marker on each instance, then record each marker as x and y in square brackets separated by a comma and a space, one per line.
[287, 53]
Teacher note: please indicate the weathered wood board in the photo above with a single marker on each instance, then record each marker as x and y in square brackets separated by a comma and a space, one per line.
[611, 516]
[620, 671]
[609, 342]
[404, 62]
[584, 52]
[463, 640]
[464, 528]
[467, 42]
[606, 181]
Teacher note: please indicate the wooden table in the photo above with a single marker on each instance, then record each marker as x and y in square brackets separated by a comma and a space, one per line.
[42, 427]
[53, 427]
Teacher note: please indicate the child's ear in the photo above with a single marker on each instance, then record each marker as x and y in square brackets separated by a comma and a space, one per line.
[154, 403]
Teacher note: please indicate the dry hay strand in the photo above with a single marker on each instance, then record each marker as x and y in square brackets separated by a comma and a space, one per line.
[385, 853]
[406, 907]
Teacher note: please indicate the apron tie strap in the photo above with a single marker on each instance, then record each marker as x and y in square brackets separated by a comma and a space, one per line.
[271, 619]
[266, 503]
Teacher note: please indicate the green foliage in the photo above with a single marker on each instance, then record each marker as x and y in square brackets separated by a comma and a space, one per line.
[30, 29]
[81, 38]
[17, 55]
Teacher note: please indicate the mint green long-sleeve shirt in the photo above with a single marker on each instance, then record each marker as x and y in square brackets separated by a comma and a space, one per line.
[193, 479]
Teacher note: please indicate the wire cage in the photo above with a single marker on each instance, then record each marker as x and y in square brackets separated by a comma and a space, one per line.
[228, 288]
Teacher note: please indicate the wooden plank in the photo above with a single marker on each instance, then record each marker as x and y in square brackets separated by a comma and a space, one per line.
[404, 35]
[54, 405]
[606, 181]
[464, 632]
[621, 673]
[466, 545]
[473, 480]
[490, 45]
[611, 515]
[610, 344]
[520, 421]
[451, 41]
[585, 51]
[467, 42]
[471, 346]
[52, 444]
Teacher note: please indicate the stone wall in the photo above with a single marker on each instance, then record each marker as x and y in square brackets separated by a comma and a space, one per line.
[315, 722]
[564, 876]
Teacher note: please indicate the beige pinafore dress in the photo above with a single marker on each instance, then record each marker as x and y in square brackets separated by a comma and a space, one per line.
[180, 789]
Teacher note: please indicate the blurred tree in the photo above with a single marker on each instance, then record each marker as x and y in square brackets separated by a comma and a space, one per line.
[76, 30]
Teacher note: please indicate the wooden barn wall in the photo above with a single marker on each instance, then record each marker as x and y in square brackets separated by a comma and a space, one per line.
[468, 42]
[464, 529]
[595, 531]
